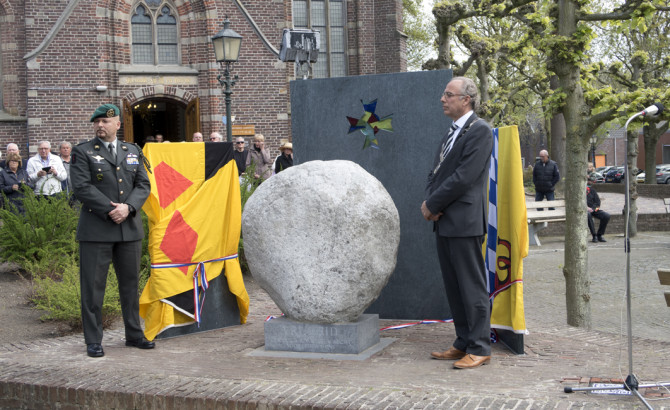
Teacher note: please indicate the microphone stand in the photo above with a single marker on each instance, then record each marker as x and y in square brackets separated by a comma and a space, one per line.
[631, 384]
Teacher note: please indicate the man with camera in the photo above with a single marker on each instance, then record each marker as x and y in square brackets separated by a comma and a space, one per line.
[47, 171]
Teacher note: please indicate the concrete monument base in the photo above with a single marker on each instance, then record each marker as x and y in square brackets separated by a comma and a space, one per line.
[284, 334]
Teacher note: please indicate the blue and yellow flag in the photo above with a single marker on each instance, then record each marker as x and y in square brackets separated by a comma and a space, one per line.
[194, 212]
[507, 238]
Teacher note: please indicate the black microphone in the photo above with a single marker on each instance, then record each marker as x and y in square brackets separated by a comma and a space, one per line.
[655, 109]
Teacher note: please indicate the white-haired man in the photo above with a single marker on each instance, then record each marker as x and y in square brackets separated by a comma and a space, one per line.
[215, 137]
[46, 170]
[12, 149]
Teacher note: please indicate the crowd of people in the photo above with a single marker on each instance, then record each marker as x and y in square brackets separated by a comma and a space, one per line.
[255, 157]
[46, 173]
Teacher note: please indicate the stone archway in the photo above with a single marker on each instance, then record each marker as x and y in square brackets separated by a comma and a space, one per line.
[159, 109]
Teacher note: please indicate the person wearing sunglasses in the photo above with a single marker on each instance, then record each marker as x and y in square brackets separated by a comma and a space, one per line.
[240, 154]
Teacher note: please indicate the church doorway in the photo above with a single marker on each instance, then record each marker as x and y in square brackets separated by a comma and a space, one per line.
[143, 120]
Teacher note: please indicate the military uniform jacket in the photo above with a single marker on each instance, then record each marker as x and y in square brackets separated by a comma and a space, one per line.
[98, 180]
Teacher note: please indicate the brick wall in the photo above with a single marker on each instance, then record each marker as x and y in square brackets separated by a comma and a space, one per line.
[389, 41]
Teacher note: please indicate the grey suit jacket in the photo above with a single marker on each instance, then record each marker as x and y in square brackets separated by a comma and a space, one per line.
[458, 187]
[97, 180]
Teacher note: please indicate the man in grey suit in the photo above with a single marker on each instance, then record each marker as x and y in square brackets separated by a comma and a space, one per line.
[456, 203]
[109, 179]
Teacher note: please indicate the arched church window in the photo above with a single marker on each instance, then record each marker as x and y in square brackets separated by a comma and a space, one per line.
[327, 16]
[154, 34]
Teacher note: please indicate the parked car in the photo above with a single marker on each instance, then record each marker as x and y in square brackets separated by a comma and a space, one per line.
[663, 174]
[615, 175]
[640, 178]
[596, 177]
[605, 170]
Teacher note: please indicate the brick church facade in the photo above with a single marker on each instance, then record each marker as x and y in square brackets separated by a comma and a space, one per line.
[154, 59]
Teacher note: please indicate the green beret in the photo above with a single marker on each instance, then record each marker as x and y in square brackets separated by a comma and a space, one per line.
[106, 110]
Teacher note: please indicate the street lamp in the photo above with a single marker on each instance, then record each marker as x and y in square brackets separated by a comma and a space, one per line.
[227, 51]
[593, 140]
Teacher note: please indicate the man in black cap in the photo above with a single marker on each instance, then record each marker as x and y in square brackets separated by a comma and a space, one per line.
[109, 179]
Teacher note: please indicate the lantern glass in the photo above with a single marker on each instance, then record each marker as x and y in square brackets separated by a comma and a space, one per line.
[227, 44]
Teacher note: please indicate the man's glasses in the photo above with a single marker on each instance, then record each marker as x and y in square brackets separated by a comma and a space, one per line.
[239, 142]
[449, 94]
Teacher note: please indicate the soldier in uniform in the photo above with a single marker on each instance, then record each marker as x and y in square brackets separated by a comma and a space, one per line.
[109, 179]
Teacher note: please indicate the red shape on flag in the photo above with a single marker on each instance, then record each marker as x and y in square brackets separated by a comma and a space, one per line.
[170, 184]
[179, 242]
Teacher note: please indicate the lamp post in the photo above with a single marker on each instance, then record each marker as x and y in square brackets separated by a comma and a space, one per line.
[227, 51]
[593, 140]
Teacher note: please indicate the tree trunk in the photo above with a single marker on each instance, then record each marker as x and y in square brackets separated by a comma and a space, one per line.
[575, 268]
[443, 45]
[556, 143]
[483, 77]
[652, 133]
[631, 161]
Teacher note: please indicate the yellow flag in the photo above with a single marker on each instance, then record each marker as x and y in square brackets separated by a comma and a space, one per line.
[507, 239]
[194, 212]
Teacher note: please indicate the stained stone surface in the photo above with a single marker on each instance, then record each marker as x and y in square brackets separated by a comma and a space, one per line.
[322, 239]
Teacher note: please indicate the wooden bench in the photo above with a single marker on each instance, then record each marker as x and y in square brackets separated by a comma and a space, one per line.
[664, 277]
[538, 220]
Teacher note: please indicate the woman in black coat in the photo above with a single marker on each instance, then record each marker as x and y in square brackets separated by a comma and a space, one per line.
[12, 180]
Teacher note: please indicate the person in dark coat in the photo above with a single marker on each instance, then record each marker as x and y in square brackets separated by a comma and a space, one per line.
[456, 203]
[285, 160]
[594, 211]
[240, 154]
[110, 181]
[545, 177]
[12, 180]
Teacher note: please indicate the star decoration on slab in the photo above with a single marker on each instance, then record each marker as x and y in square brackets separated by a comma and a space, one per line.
[370, 124]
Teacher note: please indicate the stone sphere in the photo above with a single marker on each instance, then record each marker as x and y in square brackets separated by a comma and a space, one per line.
[322, 239]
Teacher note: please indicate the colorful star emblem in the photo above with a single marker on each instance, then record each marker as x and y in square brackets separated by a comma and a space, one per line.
[370, 124]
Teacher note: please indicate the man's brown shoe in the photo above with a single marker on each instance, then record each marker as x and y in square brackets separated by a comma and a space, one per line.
[470, 361]
[451, 354]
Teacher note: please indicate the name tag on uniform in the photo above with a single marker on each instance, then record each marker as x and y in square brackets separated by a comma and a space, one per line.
[132, 159]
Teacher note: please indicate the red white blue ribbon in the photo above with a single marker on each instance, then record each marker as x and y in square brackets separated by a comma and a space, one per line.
[422, 322]
[199, 281]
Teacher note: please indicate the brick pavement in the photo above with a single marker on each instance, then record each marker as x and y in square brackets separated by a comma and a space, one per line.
[214, 369]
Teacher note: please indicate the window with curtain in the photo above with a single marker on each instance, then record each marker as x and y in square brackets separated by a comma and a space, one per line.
[154, 34]
[328, 17]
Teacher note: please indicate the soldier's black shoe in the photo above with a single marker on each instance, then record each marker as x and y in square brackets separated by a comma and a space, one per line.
[94, 350]
[601, 239]
[594, 239]
[141, 343]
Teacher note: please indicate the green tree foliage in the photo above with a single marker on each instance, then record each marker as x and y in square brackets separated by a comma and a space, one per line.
[418, 26]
